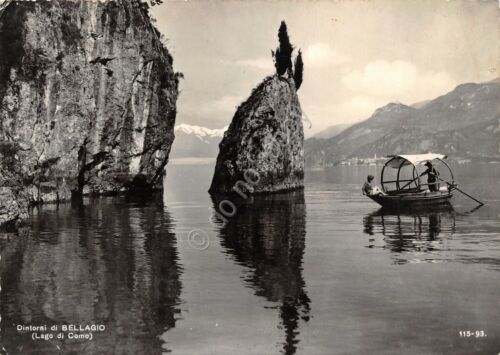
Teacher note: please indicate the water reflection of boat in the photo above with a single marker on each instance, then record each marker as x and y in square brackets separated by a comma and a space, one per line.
[410, 232]
[267, 235]
[103, 262]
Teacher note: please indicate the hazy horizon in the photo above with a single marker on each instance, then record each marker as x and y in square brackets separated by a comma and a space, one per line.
[358, 55]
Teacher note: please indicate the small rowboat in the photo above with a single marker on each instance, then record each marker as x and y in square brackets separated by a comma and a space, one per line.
[403, 188]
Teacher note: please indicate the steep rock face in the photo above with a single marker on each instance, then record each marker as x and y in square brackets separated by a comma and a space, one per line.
[262, 151]
[13, 197]
[88, 92]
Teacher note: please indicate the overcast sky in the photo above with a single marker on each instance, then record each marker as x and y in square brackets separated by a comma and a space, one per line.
[358, 55]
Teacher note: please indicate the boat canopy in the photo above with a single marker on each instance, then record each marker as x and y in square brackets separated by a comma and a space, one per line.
[404, 175]
[398, 161]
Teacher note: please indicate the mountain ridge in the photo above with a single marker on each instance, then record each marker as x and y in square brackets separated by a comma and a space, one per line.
[192, 141]
[462, 122]
[331, 131]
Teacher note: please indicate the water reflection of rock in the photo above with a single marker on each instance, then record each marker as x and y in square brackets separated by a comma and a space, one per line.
[94, 263]
[410, 232]
[267, 235]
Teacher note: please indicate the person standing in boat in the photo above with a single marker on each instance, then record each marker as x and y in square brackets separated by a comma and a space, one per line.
[432, 177]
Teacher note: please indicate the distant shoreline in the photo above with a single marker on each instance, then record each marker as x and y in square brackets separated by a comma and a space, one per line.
[191, 161]
[209, 161]
[381, 163]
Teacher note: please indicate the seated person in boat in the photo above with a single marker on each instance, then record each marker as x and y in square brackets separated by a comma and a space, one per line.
[367, 186]
[432, 177]
[368, 189]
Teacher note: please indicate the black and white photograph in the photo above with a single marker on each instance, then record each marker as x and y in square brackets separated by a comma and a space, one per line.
[255, 177]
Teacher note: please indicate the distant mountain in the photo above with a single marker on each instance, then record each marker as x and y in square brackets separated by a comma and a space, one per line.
[420, 104]
[195, 141]
[331, 131]
[462, 123]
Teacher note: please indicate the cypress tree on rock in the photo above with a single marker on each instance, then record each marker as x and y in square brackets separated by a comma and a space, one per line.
[283, 54]
[299, 71]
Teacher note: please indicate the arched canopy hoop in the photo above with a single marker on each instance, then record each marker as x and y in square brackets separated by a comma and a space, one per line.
[397, 162]
[415, 159]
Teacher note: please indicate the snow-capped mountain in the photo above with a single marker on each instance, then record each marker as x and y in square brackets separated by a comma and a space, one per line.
[196, 141]
[199, 131]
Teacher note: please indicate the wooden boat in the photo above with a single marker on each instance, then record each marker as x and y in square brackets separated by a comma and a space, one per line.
[406, 188]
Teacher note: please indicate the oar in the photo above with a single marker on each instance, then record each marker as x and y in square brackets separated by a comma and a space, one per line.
[410, 182]
[466, 194]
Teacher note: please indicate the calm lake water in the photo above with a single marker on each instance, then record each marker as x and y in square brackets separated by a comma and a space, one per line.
[321, 271]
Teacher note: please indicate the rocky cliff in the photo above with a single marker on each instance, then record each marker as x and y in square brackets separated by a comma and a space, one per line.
[14, 198]
[262, 151]
[87, 93]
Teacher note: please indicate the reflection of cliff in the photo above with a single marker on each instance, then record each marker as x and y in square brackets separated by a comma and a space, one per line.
[267, 235]
[414, 232]
[93, 264]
